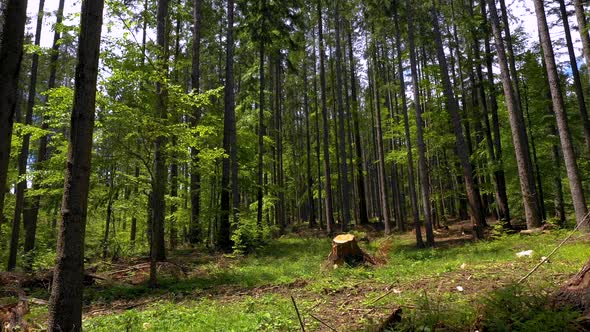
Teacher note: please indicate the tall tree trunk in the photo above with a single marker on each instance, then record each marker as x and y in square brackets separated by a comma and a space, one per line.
[360, 171]
[317, 131]
[410, 153]
[519, 140]
[195, 178]
[557, 185]
[583, 28]
[11, 51]
[535, 159]
[511, 60]
[173, 233]
[575, 74]
[65, 303]
[344, 185]
[310, 200]
[261, 134]
[503, 208]
[422, 161]
[133, 231]
[569, 156]
[383, 193]
[18, 205]
[473, 195]
[105, 239]
[30, 227]
[229, 183]
[281, 204]
[42, 153]
[326, 136]
[160, 173]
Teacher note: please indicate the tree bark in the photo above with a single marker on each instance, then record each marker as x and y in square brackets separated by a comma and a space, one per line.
[229, 183]
[160, 172]
[326, 134]
[499, 177]
[11, 50]
[42, 153]
[360, 176]
[344, 185]
[575, 74]
[473, 195]
[422, 161]
[195, 178]
[583, 29]
[65, 303]
[383, 192]
[18, 205]
[569, 156]
[31, 225]
[310, 200]
[527, 184]
[410, 153]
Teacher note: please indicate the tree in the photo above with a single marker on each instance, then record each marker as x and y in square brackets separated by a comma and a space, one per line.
[473, 195]
[360, 176]
[23, 157]
[422, 161]
[11, 50]
[569, 156]
[195, 180]
[527, 184]
[229, 177]
[383, 192]
[575, 73]
[583, 29]
[160, 172]
[344, 185]
[326, 136]
[30, 219]
[65, 303]
[410, 153]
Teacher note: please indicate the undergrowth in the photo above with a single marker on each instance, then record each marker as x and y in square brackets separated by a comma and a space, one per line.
[427, 283]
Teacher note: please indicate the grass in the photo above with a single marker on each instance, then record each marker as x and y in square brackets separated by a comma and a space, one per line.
[253, 292]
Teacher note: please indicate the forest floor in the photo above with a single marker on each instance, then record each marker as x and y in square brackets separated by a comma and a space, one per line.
[459, 285]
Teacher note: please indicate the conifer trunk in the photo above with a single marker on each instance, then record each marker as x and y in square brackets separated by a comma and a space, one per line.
[575, 74]
[583, 29]
[422, 161]
[473, 195]
[569, 156]
[326, 133]
[527, 184]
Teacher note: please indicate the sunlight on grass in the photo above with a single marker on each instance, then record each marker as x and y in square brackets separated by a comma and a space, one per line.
[426, 278]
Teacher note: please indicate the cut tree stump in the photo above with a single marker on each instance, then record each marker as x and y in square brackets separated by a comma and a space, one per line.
[345, 250]
[575, 293]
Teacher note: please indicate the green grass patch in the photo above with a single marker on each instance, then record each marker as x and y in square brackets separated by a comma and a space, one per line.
[426, 280]
[267, 313]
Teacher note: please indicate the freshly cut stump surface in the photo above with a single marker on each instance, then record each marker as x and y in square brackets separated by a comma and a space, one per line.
[345, 250]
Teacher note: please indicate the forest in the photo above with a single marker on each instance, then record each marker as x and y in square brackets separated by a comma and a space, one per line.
[293, 165]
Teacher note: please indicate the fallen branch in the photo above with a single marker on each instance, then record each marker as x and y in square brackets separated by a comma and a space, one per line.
[298, 315]
[323, 323]
[384, 295]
